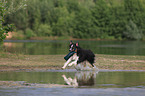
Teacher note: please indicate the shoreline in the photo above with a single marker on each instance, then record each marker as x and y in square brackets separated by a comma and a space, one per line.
[15, 62]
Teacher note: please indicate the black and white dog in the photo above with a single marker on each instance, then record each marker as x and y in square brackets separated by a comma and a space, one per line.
[81, 55]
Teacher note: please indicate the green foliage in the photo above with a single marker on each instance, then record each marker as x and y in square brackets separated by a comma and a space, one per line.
[132, 31]
[86, 19]
[101, 18]
[61, 27]
[4, 29]
[29, 33]
[19, 35]
[44, 30]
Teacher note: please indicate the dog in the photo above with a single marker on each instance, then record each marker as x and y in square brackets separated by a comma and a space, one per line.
[80, 57]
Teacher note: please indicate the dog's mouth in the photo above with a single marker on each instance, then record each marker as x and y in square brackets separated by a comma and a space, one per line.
[71, 50]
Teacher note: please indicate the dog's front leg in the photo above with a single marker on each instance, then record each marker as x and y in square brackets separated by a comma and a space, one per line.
[65, 64]
[74, 62]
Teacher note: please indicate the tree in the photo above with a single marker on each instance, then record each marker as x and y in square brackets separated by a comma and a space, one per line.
[117, 19]
[8, 7]
[104, 19]
[84, 26]
[135, 13]
[133, 32]
[44, 30]
[13, 6]
[63, 25]
[101, 20]
[3, 29]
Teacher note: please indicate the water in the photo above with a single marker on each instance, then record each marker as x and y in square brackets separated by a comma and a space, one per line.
[47, 47]
[73, 92]
[71, 82]
[82, 83]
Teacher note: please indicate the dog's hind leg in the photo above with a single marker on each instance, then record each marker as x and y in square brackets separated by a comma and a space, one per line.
[92, 65]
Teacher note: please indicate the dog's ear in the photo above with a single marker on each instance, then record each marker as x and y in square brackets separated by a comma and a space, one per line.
[71, 42]
[77, 44]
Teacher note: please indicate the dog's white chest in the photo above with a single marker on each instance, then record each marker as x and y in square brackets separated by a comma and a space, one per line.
[74, 57]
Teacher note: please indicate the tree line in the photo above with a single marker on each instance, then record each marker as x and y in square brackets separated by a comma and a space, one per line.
[82, 19]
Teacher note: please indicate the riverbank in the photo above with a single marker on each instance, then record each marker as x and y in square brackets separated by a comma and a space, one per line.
[23, 84]
[13, 62]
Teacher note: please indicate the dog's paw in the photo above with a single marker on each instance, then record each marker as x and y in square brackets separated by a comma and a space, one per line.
[63, 76]
[62, 68]
[70, 65]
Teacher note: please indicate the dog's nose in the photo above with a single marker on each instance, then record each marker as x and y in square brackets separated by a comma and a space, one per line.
[69, 49]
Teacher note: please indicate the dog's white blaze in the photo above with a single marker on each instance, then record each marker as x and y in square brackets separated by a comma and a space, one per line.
[71, 47]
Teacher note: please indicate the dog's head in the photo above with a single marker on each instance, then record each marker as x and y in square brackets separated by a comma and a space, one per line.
[73, 46]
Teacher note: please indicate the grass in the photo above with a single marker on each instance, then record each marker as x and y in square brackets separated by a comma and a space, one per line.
[122, 62]
[11, 62]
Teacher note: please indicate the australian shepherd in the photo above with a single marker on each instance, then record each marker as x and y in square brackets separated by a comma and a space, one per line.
[81, 55]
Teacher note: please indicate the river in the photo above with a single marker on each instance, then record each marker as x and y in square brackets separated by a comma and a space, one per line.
[52, 47]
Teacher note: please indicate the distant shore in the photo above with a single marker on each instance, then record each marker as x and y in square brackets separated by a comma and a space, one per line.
[14, 62]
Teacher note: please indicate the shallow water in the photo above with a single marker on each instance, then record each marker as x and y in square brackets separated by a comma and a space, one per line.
[72, 92]
[82, 83]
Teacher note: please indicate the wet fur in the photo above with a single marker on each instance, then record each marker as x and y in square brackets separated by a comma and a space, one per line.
[84, 55]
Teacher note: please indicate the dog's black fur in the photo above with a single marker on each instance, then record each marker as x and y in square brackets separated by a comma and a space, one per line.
[83, 54]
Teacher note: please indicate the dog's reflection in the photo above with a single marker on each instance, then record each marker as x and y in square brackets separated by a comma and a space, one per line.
[82, 78]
